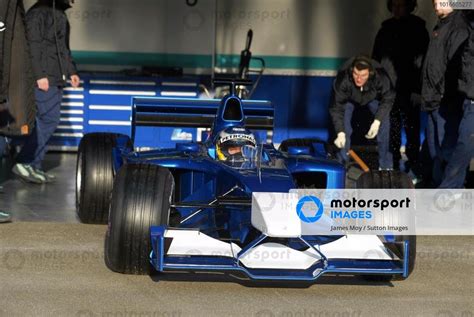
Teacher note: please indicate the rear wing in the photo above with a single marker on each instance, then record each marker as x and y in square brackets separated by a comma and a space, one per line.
[198, 113]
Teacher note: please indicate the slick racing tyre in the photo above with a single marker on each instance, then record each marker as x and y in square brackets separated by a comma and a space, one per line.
[470, 180]
[470, 175]
[95, 171]
[391, 180]
[141, 198]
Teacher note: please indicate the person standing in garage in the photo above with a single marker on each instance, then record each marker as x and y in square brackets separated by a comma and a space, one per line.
[363, 82]
[17, 106]
[400, 46]
[48, 36]
[455, 172]
[442, 99]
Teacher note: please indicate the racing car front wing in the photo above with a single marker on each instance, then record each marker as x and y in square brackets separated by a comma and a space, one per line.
[191, 250]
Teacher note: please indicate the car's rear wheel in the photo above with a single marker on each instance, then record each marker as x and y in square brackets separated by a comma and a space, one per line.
[95, 172]
[391, 180]
[141, 198]
[470, 175]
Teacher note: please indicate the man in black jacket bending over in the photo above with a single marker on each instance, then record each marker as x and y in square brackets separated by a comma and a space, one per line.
[441, 94]
[363, 82]
[48, 37]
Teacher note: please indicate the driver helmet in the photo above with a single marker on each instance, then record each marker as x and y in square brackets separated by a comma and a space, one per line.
[232, 144]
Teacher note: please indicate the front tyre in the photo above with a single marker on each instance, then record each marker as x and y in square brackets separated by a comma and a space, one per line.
[141, 198]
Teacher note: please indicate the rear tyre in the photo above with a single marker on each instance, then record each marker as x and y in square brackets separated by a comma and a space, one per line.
[470, 175]
[141, 198]
[391, 180]
[95, 172]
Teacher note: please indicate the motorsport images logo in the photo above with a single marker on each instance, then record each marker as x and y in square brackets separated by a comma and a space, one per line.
[310, 208]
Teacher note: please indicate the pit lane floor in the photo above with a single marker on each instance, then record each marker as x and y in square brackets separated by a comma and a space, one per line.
[50, 265]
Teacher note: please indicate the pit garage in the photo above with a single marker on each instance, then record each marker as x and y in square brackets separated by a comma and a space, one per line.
[141, 199]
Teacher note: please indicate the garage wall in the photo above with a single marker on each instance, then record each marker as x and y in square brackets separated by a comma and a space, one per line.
[304, 34]
[302, 41]
[143, 32]
[291, 34]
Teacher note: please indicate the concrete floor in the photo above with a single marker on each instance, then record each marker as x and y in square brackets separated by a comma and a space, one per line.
[54, 202]
[57, 269]
[50, 265]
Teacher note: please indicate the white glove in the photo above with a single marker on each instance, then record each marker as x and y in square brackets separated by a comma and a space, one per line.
[340, 141]
[374, 129]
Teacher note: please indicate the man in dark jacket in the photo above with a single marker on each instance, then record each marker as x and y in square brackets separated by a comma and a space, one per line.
[440, 92]
[455, 172]
[400, 46]
[362, 82]
[48, 35]
[17, 103]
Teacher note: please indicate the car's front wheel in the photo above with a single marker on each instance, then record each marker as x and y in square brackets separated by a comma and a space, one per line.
[141, 198]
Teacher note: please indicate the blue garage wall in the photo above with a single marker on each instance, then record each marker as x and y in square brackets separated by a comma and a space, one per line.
[301, 108]
[103, 104]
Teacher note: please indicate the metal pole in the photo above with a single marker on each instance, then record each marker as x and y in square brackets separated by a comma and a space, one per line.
[214, 53]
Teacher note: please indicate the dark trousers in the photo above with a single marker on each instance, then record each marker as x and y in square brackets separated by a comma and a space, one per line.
[385, 156]
[442, 133]
[458, 163]
[405, 115]
[3, 145]
[48, 105]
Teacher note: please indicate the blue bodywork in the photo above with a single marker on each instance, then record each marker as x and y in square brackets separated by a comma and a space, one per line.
[215, 197]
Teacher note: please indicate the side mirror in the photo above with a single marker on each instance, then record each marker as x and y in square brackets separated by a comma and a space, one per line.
[299, 150]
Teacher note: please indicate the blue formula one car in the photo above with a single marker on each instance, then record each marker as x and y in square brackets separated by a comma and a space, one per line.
[190, 207]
